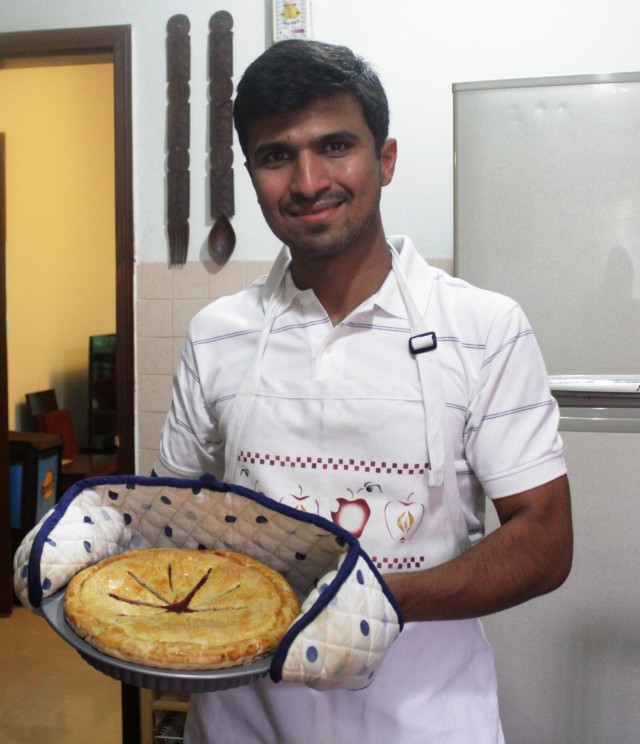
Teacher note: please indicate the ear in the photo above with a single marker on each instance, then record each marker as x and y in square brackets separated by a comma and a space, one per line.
[388, 157]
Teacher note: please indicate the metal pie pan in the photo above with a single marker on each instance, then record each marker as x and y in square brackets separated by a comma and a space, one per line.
[138, 675]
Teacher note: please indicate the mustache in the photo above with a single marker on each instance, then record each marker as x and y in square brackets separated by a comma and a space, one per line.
[300, 203]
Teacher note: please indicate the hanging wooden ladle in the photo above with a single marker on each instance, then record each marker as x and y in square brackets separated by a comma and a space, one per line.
[222, 238]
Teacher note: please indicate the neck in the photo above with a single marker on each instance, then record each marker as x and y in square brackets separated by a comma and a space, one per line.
[343, 281]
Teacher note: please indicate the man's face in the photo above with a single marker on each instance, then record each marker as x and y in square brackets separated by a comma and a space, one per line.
[317, 176]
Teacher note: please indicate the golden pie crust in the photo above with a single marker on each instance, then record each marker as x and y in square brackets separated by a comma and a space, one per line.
[181, 608]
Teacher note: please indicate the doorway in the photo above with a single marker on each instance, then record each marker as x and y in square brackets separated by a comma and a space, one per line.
[115, 42]
[57, 115]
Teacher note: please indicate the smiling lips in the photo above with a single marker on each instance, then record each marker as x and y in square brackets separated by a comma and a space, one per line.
[316, 209]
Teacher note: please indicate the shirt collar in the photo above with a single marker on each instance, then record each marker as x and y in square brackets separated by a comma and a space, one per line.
[416, 272]
[291, 292]
[415, 269]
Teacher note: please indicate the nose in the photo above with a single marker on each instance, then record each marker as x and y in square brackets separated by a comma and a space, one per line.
[310, 177]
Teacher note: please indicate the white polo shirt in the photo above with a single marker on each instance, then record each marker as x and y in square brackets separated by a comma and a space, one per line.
[502, 417]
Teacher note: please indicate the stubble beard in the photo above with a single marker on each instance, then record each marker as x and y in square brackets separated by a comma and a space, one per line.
[324, 242]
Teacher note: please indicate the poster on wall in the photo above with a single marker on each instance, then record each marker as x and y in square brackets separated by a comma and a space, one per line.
[291, 19]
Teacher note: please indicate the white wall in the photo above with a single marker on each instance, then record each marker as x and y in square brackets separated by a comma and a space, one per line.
[420, 47]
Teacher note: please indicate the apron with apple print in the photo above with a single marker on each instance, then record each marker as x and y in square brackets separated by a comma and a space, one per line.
[364, 454]
[372, 458]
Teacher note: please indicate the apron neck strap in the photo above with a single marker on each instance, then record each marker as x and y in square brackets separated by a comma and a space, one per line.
[442, 471]
[272, 293]
[430, 378]
[275, 277]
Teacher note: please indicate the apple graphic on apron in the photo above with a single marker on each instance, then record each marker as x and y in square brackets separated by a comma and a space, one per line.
[353, 513]
[301, 502]
[403, 518]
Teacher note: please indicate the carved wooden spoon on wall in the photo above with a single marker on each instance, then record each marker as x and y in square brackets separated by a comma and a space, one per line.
[222, 238]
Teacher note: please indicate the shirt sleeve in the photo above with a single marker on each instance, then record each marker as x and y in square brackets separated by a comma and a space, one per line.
[511, 434]
[190, 444]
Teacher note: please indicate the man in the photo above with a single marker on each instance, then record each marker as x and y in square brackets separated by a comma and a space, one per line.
[396, 395]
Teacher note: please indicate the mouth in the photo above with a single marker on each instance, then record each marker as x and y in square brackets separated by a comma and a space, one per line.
[315, 213]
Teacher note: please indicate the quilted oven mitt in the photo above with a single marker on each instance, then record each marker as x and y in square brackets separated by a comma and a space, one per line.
[348, 618]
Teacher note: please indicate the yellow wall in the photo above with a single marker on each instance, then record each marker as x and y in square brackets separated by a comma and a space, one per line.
[60, 250]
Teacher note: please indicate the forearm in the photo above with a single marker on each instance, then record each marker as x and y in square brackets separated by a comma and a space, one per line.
[528, 555]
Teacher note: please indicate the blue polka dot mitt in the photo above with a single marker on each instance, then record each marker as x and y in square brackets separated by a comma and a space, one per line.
[348, 619]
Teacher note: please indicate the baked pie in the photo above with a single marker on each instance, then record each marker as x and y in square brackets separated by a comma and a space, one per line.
[179, 608]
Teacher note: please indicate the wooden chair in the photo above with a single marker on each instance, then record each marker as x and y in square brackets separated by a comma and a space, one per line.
[59, 422]
[42, 401]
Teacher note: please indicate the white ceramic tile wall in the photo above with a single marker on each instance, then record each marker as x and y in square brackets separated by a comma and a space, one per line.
[167, 299]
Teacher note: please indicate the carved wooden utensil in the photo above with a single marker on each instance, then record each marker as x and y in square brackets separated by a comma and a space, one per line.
[178, 137]
[222, 239]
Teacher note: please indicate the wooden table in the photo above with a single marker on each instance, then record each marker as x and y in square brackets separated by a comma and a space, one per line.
[86, 466]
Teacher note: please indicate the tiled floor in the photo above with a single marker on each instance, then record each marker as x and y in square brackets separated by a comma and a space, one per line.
[48, 693]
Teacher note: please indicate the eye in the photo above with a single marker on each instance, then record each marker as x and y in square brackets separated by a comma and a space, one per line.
[273, 158]
[337, 147]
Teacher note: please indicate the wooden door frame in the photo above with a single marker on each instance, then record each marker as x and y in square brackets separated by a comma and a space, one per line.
[114, 41]
[6, 590]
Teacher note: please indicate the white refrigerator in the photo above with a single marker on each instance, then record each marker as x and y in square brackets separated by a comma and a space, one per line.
[547, 210]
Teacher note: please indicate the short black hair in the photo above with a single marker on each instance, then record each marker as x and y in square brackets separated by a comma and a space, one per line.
[293, 73]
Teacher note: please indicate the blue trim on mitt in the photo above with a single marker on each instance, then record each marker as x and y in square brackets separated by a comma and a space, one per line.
[207, 482]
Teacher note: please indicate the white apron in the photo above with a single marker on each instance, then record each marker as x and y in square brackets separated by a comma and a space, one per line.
[372, 458]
